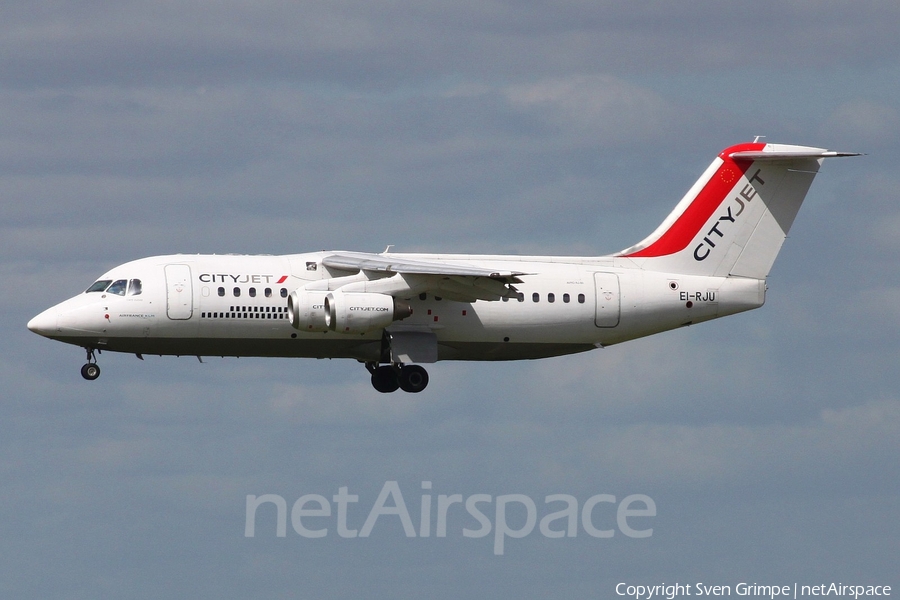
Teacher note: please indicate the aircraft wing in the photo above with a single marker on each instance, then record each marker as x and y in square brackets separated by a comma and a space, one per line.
[386, 263]
[452, 280]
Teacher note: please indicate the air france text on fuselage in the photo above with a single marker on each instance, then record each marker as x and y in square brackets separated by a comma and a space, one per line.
[229, 278]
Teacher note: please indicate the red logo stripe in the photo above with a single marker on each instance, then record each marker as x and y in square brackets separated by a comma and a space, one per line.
[688, 224]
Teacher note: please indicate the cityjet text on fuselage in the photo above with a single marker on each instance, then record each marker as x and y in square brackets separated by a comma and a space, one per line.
[229, 278]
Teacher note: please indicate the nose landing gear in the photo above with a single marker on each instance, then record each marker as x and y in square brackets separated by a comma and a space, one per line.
[91, 370]
[388, 378]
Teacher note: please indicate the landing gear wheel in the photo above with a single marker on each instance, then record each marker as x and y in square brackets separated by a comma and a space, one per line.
[90, 371]
[385, 379]
[413, 379]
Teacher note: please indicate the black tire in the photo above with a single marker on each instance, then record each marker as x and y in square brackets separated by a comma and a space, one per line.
[90, 371]
[385, 380]
[413, 379]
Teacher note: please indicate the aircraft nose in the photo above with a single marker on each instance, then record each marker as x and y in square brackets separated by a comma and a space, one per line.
[44, 324]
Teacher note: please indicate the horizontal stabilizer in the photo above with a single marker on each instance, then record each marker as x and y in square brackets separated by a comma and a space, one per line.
[784, 152]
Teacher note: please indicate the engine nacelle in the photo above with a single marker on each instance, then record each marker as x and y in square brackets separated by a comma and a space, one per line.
[306, 310]
[359, 312]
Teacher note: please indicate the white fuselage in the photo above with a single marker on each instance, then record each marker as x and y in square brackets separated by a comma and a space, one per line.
[225, 305]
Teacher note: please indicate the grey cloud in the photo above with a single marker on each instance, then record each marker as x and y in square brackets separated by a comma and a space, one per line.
[458, 156]
[863, 123]
[360, 44]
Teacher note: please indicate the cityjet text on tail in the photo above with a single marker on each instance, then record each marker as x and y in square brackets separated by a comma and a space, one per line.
[394, 312]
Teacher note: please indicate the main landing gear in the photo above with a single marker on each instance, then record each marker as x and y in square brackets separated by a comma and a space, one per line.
[91, 370]
[388, 378]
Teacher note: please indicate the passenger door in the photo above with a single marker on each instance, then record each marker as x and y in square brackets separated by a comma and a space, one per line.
[607, 294]
[179, 292]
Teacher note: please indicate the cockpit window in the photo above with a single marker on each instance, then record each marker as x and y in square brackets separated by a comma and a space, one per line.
[134, 287]
[118, 287]
[99, 286]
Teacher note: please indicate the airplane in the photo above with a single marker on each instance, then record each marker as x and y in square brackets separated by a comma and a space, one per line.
[394, 312]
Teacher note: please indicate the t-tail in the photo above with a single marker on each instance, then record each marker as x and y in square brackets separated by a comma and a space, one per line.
[733, 221]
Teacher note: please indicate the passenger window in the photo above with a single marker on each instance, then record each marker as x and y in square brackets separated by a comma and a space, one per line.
[221, 291]
[521, 297]
[253, 292]
[268, 292]
[237, 292]
[118, 287]
[551, 297]
[566, 298]
[580, 298]
[536, 297]
[99, 286]
[284, 292]
[134, 287]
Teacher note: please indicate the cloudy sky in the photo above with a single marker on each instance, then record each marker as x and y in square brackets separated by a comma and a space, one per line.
[767, 441]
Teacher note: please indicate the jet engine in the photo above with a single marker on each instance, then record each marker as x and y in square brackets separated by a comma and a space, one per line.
[360, 312]
[306, 310]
